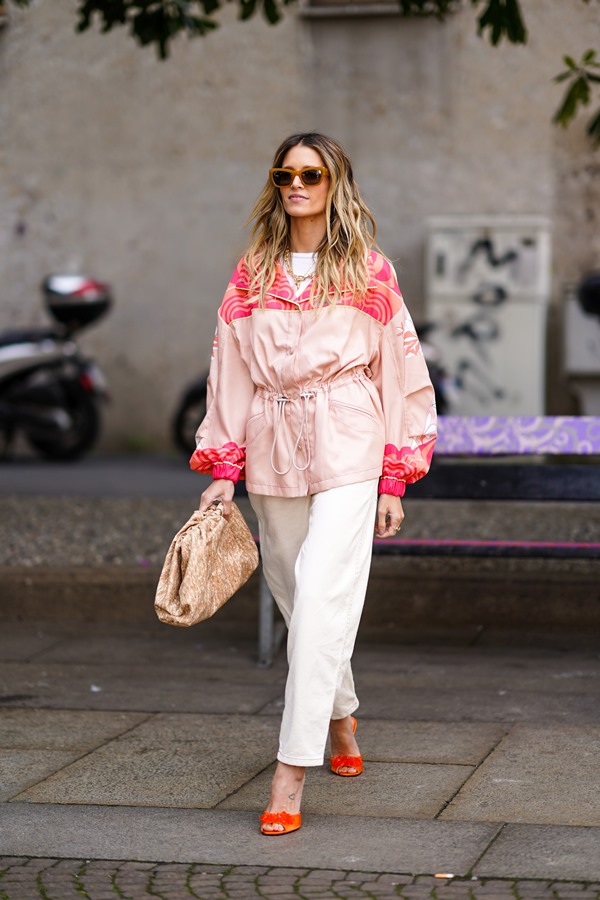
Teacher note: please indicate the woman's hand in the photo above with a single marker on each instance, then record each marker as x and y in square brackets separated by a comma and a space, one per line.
[389, 515]
[220, 489]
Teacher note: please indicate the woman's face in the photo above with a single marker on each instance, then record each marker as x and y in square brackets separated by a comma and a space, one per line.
[300, 199]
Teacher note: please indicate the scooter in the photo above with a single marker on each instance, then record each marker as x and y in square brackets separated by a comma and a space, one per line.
[49, 392]
[442, 387]
[190, 411]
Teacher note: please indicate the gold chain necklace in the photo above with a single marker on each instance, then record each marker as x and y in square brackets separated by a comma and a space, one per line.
[297, 279]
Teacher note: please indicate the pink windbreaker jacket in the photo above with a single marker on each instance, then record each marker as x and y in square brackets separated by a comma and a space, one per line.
[302, 401]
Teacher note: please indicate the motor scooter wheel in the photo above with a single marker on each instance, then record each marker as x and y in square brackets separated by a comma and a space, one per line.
[81, 434]
[188, 416]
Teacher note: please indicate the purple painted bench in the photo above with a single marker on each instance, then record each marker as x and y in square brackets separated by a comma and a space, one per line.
[519, 435]
[536, 458]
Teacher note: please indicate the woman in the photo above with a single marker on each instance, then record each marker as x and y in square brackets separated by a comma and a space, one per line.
[319, 395]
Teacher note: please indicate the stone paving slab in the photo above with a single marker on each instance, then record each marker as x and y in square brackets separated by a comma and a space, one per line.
[213, 644]
[186, 647]
[473, 684]
[475, 705]
[19, 769]
[222, 836]
[209, 733]
[538, 775]
[520, 672]
[462, 743]
[176, 777]
[139, 687]
[62, 729]
[171, 761]
[538, 851]
[26, 645]
[125, 772]
[380, 740]
[405, 791]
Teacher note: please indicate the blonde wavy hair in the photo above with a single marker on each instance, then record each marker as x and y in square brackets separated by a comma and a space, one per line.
[342, 255]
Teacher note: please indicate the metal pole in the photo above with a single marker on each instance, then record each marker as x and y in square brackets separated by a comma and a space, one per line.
[265, 625]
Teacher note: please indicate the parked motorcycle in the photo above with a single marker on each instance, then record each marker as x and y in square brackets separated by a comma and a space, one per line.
[437, 372]
[49, 391]
[190, 411]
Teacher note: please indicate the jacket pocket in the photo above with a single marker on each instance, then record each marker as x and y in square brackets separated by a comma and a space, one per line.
[255, 426]
[348, 413]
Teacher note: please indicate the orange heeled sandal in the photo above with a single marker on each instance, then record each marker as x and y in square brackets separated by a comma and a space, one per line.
[289, 821]
[347, 762]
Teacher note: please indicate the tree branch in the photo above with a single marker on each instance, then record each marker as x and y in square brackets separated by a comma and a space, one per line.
[158, 22]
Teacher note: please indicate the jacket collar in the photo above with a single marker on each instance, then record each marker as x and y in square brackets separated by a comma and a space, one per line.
[281, 288]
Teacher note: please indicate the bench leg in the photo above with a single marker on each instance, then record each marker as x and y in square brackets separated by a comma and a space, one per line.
[270, 636]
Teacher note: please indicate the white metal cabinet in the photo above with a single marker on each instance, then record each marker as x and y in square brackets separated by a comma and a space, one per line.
[488, 286]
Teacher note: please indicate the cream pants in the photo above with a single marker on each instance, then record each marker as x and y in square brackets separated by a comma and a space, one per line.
[316, 554]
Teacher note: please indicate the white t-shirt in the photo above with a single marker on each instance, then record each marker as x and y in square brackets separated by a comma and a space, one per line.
[302, 264]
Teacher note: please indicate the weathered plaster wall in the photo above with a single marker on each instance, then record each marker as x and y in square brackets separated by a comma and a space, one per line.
[143, 173]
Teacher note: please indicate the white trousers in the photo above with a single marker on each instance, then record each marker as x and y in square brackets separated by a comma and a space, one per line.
[316, 555]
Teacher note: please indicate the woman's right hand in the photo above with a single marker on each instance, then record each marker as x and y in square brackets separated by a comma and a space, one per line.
[220, 489]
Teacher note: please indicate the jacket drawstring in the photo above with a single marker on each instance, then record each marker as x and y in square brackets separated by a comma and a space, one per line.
[305, 395]
[281, 401]
[292, 454]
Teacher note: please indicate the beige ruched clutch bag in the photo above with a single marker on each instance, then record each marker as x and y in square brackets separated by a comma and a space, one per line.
[209, 559]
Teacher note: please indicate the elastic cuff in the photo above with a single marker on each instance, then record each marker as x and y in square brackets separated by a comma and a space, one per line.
[226, 470]
[392, 486]
[199, 463]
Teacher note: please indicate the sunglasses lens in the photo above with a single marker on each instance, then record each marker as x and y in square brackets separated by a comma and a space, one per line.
[311, 176]
[281, 178]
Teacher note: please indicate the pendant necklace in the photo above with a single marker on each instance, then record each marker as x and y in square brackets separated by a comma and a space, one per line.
[297, 279]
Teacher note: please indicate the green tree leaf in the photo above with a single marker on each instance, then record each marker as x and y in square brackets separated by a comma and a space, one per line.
[567, 109]
[579, 91]
[503, 18]
[247, 8]
[593, 129]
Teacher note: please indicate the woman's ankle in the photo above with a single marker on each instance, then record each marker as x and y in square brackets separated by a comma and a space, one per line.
[286, 788]
[341, 737]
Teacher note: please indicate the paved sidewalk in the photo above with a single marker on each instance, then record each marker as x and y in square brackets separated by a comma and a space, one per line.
[135, 758]
[156, 745]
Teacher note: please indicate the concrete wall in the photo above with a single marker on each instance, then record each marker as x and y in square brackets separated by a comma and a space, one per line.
[142, 173]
